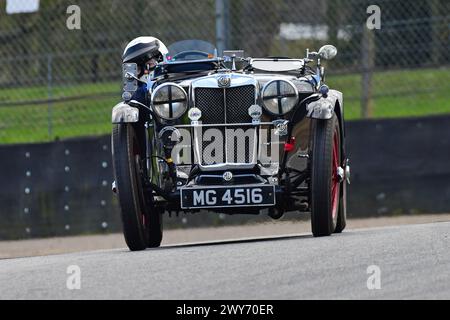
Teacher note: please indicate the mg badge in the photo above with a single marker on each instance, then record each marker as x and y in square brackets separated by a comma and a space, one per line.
[224, 81]
[227, 176]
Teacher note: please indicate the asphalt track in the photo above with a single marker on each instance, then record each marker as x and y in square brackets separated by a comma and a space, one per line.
[414, 262]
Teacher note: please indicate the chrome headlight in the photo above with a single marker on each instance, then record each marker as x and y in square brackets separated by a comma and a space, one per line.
[279, 96]
[169, 101]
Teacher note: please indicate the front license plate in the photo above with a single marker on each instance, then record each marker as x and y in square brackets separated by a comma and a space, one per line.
[223, 197]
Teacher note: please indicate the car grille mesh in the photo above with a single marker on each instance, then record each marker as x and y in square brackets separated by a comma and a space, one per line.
[228, 105]
[212, 104]
[238, 100]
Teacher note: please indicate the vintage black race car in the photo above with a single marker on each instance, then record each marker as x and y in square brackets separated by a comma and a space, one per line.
[230, 134]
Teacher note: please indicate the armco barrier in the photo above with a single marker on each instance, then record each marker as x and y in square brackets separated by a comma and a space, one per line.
[399, 166]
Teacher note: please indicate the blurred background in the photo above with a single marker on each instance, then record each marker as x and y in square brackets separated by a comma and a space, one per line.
[57, 88]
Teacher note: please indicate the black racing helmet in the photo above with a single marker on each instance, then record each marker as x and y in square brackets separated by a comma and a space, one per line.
[142, 49]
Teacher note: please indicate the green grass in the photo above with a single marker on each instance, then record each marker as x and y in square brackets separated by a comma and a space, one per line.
[395, 94]
[90, 115]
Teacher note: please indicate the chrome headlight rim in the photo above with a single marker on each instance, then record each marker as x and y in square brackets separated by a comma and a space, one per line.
[154, 104]
[294, 95]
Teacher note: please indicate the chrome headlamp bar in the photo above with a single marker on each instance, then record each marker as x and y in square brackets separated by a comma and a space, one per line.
[274, 123]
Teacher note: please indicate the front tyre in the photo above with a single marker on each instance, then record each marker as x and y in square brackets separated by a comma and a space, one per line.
[342, 213]
[325, 183]
[142, 226]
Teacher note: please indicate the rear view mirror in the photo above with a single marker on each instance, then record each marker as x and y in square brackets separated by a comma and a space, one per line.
[327, 52]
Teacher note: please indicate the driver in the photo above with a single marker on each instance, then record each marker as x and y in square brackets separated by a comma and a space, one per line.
[146, 52]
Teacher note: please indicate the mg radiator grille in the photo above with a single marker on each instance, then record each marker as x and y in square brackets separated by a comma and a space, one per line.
[227, 106]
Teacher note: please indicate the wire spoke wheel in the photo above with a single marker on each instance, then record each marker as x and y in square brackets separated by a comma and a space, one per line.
[142, 225]
[334, 175]
[325, 182]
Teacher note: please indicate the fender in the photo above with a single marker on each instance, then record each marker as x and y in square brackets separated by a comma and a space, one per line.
[324, 107]
[124, 113]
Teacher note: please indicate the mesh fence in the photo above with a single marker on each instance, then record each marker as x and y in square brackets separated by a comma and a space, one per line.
[57, 81]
